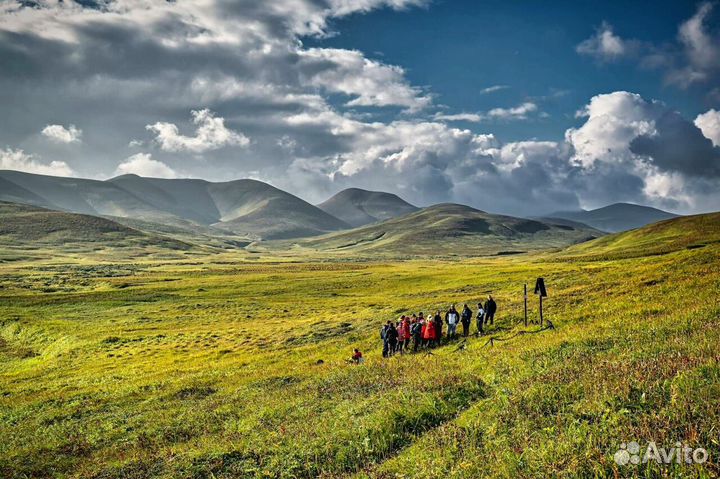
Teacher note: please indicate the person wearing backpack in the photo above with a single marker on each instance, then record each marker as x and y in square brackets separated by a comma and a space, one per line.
[465, 319]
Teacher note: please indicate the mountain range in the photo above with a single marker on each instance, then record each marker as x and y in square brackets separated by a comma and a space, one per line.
[247, 208]
[616, 217]
[242, 212]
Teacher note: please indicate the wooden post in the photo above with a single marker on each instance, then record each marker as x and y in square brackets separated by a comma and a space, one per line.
[541, 314]
[525, 299]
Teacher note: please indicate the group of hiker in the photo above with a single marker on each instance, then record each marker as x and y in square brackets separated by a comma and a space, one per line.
[418, 331]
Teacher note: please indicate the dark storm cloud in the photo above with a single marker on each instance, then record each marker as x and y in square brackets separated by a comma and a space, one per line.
[679, 146]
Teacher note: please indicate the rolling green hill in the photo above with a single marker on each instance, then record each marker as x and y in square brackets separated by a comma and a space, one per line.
[450, 229]
[24, 228]
[685, 232]
[358, 207]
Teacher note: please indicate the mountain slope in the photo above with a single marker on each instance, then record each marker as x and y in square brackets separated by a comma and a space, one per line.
[359, 207]
[684, 232]
[248, 208]
[616, 217]
[21, 224]
[451, 229]
[185, 198]
[254, 208]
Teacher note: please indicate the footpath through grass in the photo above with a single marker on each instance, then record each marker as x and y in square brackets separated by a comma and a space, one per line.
[211, 368]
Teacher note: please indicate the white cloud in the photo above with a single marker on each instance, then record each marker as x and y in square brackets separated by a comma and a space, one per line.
[604, 45]
[519, 112]
[613, 121]
[700, 56]
[493, 88]
[709, 124]
[471, 117]
[703, 51]
[60, 134]
[371, 83]
[619, 153]
[211, 134]
[19, 160]
[142, 164]
[694, 58]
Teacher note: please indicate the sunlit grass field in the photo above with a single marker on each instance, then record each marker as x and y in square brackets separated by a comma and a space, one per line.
[221, 366]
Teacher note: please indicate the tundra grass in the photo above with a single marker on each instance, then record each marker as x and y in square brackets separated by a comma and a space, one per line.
[224, 367]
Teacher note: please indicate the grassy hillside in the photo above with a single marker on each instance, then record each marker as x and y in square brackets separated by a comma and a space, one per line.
[450, 229]
[27, 230]
[687, 232]
[358, 207]
[228, 368]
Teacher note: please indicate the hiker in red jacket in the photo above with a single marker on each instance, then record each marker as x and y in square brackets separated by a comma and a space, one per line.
[429, 335]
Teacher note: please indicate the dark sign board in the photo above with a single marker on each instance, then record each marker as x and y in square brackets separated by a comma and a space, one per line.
[540, 287]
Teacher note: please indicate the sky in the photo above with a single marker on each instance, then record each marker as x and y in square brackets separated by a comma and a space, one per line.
[520, 107]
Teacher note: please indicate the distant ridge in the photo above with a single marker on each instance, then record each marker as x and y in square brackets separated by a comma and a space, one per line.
[616, 217]
[358, 207]
[247, 208]
[451, 229]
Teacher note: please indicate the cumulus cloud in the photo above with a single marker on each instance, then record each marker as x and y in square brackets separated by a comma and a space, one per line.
[211, 134]
[369, 82]
[11, 159]
[60, 134]
[613, 121]
[604, 45]
[142, 164]
[626, 149]
[709, 124]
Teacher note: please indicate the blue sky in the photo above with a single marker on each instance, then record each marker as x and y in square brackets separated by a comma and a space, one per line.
[519, 107]
[457, 48]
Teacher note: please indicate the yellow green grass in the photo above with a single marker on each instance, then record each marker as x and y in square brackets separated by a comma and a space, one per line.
[209, 367]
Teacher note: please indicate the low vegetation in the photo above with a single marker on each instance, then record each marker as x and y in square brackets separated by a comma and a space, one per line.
[222, 365]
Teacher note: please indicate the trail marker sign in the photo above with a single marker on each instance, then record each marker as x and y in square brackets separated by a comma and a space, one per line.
[542, 293]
